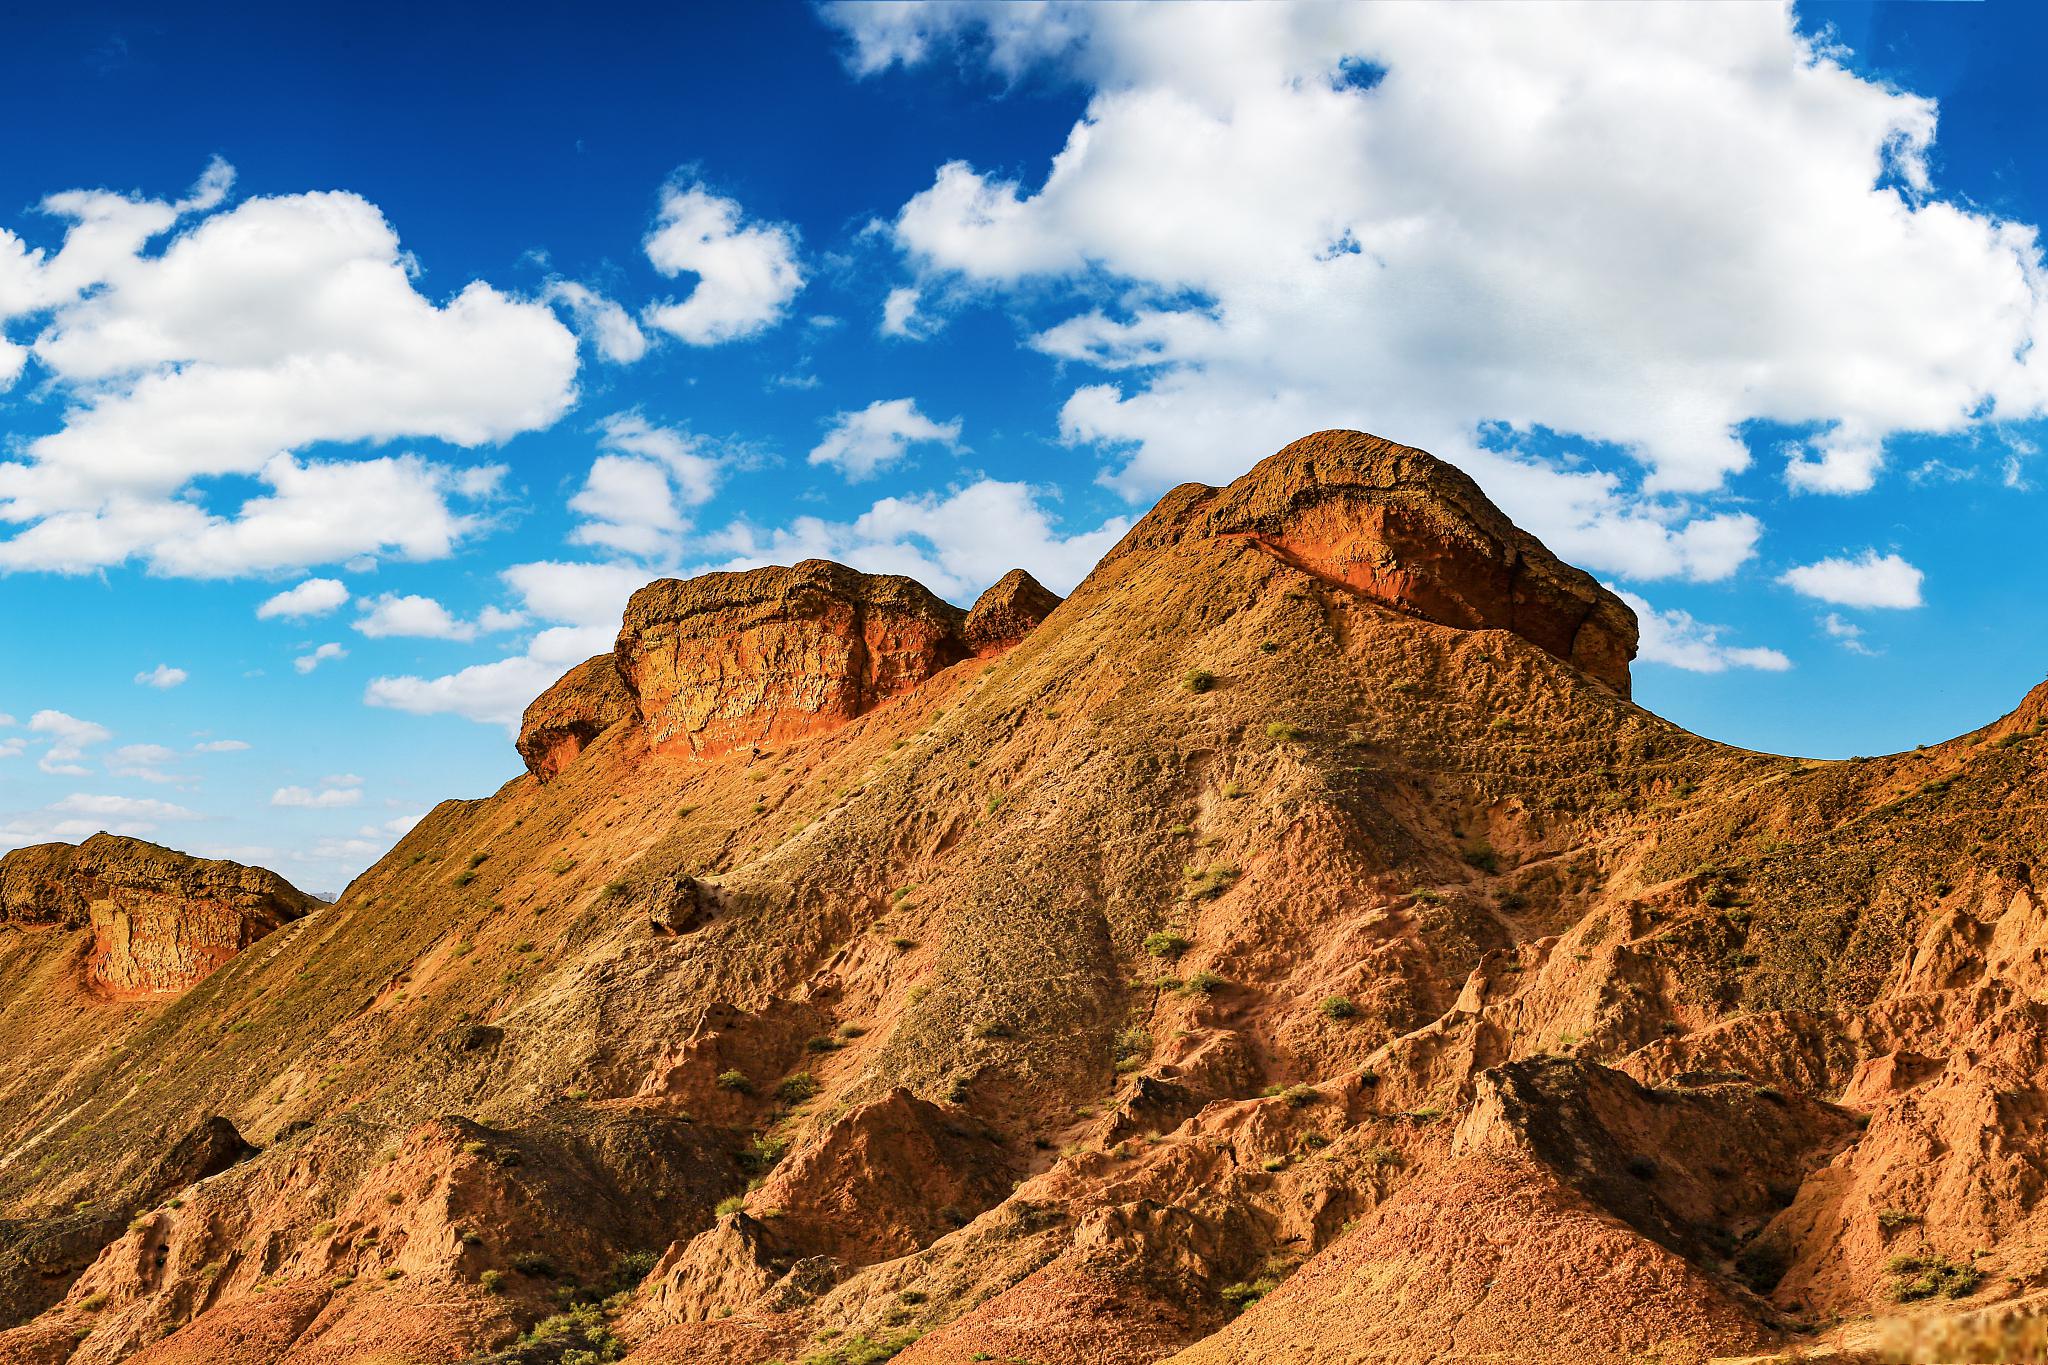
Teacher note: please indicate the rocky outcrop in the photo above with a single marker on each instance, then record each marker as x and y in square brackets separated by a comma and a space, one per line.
[565, 719]
[1405, 529]
[161, 921]
[1010, 610]
[728, 660]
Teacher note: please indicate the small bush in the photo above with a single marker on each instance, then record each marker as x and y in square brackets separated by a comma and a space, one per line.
[615, 888]
[562, 867]
[1384, 1155]
[1281, 730]
[491, 1281]
[1166, 943]
[1199, 680]
[1273, 1163]
[464, 878]
[534, 1264]
[1923, 1277]
[1338, 1007]
[1203, 983]
[735, 1081]
[92, 1303]
[1891, 1220]
[731, 1204]
[797, 1088]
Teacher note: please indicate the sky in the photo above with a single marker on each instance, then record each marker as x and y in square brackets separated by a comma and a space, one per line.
[357, 362]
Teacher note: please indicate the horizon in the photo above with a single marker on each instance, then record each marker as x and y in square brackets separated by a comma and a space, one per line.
[354, 371]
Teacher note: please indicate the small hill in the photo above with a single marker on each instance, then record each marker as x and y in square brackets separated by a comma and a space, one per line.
[1294, 946]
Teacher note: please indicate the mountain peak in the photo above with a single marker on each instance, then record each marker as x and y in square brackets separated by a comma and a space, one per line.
[1411, 532]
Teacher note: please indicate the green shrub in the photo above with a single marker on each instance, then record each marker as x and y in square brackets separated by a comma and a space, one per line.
[1483, 857]
[1891, 1220]
[1166, 943]
[735, 1081]
[615, 888]
[1199, 680]
[491, 1281]
[1281, 730]
[1338, 1007]
[731, 1204]
[1203, 983]
[797, 1088]
[577, 1336]
[1923, 1277]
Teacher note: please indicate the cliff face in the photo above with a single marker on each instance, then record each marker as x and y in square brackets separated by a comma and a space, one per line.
[1293, 947]
[161, 921]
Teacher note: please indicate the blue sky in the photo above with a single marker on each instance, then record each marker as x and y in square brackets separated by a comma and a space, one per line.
[354, 363]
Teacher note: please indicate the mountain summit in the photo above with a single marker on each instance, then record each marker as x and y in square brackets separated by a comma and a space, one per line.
[1291, 947]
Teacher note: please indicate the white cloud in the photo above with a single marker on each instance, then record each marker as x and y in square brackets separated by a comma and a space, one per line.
[249, 334]
[143, 761]
[306, 663]
[1868, 580]
[424, 618]
[494, 693]
[862, 442]
[163, 676]
[900, 316]
[70, 737]
[1676, 639]
[220, 746]
[326, 798]
[314, 597]
[746, 275]
[956, 544]
[633, 498]
[123, 807]
[1845, 633]
[1526, 221]
[603, 323]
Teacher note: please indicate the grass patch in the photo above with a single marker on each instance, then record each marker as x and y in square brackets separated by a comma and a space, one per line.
[1167, 944]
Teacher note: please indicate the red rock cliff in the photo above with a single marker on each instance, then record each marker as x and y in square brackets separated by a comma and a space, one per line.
[161, 921]
[767, 655]
[1404, 528]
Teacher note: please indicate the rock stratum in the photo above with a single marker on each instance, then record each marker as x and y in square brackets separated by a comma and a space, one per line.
[1291, 947]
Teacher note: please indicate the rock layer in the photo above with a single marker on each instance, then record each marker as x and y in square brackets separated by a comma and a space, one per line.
[161, 921]
[1403, 528]
[736, 659]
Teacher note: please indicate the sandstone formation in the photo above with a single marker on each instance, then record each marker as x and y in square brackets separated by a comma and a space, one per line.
[1293, 949]
[160, 921]
[755, 658]
[1010, 610]
[1412, 532]
[562, 721]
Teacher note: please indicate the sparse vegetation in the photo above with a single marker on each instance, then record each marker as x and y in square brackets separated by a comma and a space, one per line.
[731, 1204]
[1928, 1275]
[1283, 731]
[1203, 983]
[1199, 680]
[1337, 1007]
[797, 1088]
[1167, 943]
[491, 1281]
[736, 1082]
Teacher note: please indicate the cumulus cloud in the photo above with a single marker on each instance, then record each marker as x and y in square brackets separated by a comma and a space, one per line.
[1868, 580]
[70, 737]
[198, 346]
[324, 798]
[144, 761]
[603, 323]
[122, 808]
[163, 677]
[634, 498]
[1847, 634]
[494, 693]
[1675, 639]
[314, 597]
[418, 617]
[955, 544]
[747, 273]
[307, 662]
[862, 442]
[1424, 220]
[900, 314]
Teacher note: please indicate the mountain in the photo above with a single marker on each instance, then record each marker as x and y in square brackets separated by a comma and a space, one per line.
[1292, 947]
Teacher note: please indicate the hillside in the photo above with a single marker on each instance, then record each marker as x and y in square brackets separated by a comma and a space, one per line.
[1292, 947]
